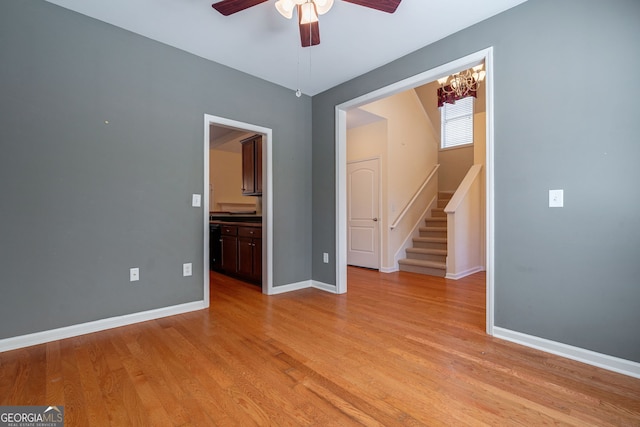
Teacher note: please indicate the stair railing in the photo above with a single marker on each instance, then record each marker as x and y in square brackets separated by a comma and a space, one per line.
[408, 206]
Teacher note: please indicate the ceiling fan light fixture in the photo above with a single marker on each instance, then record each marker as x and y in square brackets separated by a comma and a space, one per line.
[309, 14]
[323, 6]
[285, 7]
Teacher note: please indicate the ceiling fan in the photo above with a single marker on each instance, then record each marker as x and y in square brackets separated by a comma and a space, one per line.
[308, 11]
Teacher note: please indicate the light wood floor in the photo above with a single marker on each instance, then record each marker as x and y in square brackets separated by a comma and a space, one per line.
[398, 349]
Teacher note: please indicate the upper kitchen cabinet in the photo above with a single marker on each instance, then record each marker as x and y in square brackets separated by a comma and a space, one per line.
[252, 166]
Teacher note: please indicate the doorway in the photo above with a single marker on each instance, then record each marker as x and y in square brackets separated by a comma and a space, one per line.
[267, 195]
[485, 55]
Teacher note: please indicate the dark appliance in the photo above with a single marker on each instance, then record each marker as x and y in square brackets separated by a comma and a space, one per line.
[215, 247]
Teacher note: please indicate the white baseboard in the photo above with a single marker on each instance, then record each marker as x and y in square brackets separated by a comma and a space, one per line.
[97, 325]
[465, 273]
[324, 287]
[389, 269]
[611, 363]
[129, 319]
[303, 285]
[276, 290]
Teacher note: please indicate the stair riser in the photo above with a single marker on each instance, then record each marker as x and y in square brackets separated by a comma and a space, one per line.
[442, 203]
[438, 214]
[430, 222]
[427, 257]
[430, 245]
[423, 270]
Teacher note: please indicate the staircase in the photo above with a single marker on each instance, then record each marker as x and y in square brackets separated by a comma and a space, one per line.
[429, 252]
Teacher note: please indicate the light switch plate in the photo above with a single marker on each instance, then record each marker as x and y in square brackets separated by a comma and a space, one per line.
[187, 269]
[556, 198]
[195, 200]
[134, 274]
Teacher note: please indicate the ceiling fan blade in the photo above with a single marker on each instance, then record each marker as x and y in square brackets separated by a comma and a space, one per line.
[229, 7]
[309, 33]
[388, 6]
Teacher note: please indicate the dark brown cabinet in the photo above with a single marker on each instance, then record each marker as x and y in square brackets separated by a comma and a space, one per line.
[250, 253]
[252, 166]
[241, 251]
[229, 239]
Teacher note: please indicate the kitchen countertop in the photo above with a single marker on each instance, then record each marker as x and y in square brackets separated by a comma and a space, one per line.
[241, 223]
[235, 217]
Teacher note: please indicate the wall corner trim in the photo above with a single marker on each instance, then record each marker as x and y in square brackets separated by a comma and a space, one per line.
[465, 273]
[97, 326]
[604, 361]
[324, 287]
[305, 284]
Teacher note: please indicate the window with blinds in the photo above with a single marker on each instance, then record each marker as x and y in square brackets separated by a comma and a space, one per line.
[457, 123]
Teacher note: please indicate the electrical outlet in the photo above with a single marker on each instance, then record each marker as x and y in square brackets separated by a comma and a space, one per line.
[556, 198]
[187, 269]
[134, 274]
[325, 258]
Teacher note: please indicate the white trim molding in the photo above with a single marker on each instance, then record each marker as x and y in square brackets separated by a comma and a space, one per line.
[465, 273]
[98, 325]
[305, 284]
[604, 361]
[267, 197]
[324, 286]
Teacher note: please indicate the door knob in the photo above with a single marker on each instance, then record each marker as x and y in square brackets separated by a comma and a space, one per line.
[375, 219]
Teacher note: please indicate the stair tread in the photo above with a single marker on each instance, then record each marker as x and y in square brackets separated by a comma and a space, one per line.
[422, 263]
[427, 251]
[430, 239]
[428, 228]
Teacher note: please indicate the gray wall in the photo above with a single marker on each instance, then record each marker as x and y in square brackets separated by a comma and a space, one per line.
[83, 201]
[570, 275]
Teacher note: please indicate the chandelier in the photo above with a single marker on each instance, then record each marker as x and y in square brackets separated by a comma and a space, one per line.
[463, 83]
[309, 9]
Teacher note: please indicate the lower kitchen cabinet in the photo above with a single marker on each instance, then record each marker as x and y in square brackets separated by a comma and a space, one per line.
[229, 239]
[250, 253]
[241, 248]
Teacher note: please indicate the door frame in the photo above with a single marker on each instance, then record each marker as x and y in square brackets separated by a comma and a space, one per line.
[457, 65]
[379, 234]
[267, 198]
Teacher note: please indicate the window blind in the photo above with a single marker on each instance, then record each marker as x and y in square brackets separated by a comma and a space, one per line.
[457, 123]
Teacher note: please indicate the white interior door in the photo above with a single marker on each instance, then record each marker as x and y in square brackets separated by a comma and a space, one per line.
[363, 225]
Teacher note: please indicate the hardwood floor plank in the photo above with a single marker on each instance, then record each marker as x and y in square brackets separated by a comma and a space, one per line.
[55, 385]
[76, 407]
[399, 349]
[90, 364]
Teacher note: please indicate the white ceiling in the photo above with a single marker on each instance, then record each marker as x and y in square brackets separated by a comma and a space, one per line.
[260, 42]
